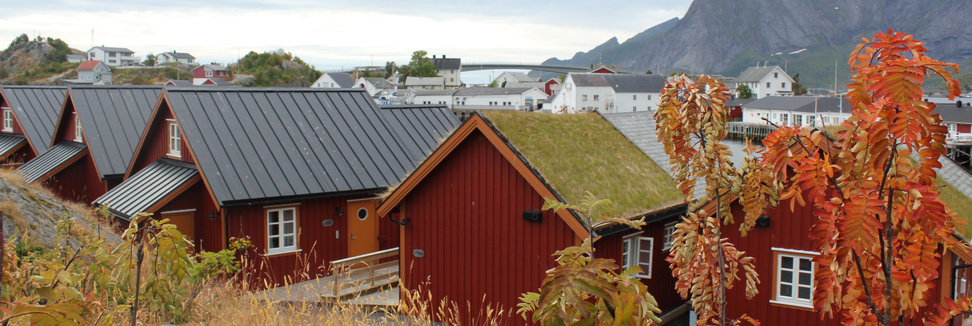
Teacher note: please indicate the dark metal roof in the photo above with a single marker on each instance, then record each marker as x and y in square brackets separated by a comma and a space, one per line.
[630, 83]
[10, 141]
[479, 91]
[36, 108]
[271, 143]
[379, 83]
[755, 74]
[954, 114]
[589, 80]
[49, 161]
[147, 187]
[179, 82]
[450, 63]
[113, 118]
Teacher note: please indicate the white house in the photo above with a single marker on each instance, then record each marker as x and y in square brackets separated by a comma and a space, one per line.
[438, 96]
[113, 56]
[383, 92]
[765, 81]
[513, 79]
[334, 80]
[497, 98]
[75, 58]
[174, 57]
[797, 111]
[448, 69]
[412, 82]
[608, 93]
[91, 72]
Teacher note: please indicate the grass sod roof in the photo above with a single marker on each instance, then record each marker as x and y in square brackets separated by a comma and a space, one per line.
[958, 203]
[576, 153]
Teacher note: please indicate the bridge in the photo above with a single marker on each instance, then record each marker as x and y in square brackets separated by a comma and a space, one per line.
[521, 66]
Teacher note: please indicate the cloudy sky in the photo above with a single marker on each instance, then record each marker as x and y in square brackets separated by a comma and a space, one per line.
[335, 35]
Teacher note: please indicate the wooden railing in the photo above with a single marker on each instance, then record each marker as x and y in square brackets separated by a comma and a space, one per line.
[360, 270]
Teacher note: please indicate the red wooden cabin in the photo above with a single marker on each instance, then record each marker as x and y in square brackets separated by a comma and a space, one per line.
[473, 230]
[27, 118]
[205, 72]
[93, 140]
[293, 170]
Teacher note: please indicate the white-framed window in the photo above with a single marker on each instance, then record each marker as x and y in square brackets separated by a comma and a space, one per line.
[785, 119]
[649, 97]
[7, 120]
[797, 120]
[784, 85]
[584, 97]
[952, 128]
[175, 140]
[78, 133]
[793, 281]
[767, 85]
[776, 75]
[596, 98]
[634, 97]
[634, 108]
[637, 251]
[281, 230]
[669, 235]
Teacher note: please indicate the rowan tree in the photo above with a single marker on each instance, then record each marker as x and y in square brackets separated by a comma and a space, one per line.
[872, 186]
[691, 122]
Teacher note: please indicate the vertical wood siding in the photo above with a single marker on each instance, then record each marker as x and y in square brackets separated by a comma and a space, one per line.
[78, 182]
[157, 142]
[209, 232]
[467, 218]
[661, 285]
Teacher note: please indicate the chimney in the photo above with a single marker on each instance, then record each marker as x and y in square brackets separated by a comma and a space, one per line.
[433, 56]
[443, 56]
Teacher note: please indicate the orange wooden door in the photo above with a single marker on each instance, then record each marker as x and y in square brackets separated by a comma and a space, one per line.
[184, 222]
[362, 227]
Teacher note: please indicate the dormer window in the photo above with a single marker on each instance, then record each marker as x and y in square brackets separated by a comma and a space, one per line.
[7, 120]
[77, 128]
[175, 141]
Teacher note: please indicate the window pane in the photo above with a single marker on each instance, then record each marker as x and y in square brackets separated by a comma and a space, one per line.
[805, 279]
[289, 241]
[786, 291]
[274, 229]
[288, 215]
[274, 217]
[803, 293]
[289, 228]
[786, 277]
[787, 262]
[805, 264]
[274, 243]
[644, 257]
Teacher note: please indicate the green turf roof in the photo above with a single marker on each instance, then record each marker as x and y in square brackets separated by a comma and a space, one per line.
[576, 153]
[958, 203]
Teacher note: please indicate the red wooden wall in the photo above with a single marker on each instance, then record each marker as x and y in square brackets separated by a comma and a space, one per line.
[661, 285]
[787, 230]
[963, 128]
[17, 129]
[208, 232]
[79, 181]
[467, 218]
[68, 128]
[318, 244]
[156, 145]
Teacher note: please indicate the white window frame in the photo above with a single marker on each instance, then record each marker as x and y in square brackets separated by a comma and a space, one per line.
[175, 139]
[7, 120]
[633, 243]
[669, 237]
[794, 284]
[78, 132]
[282, 235]
[209, 73]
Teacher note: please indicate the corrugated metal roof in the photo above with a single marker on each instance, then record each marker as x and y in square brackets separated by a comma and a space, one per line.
[625, 83]
[271, 143]
[754, 74]
[147, 187]
[444, 63]
[589, 80]
[477, 91]
[379, 83]
[50, 160]
[113, 118]
[179, 82]
[10, 141]
[343, 79]
[36, 108]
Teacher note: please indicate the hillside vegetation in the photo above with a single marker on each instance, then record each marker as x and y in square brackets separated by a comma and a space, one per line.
[274, 69]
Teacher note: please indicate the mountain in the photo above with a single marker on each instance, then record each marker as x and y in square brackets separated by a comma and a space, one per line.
[612, 51]
[726, 36]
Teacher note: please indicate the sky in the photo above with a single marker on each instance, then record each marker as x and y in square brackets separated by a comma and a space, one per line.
[333, 35]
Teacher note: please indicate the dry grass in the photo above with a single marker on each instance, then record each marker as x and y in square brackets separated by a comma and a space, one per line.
[576, 153]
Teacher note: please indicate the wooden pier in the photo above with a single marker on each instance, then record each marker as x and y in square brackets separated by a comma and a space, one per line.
[740, 130]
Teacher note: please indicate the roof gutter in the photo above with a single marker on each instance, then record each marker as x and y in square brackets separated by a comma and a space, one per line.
[650, 217]
[284, 200]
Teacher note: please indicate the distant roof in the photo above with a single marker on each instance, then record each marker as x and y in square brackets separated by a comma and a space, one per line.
[754, 74]
[476, 91]
[800, 104]
[577, 153]
[217, 82]
[739, 102]
[343, 79]
[44, 165]
[88, 65]
[174, 82]
[76, 56]
[213, 67]
[519, 76]
[433, 92]
[639, 128]
[952, 113]
[111, 49]
[277, 143]
[10, 142]
[113, 118]
[632, 83]
[424, 81]
[379, 83]
[37, 109]
[148, 187]
[450, 63]
[178, 55]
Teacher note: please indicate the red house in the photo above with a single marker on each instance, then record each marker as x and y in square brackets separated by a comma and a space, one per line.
[27, 118]
[602, 70]
[93, 140]
[472, 226]
[294, 170]
[551, 86]
[203, 73]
